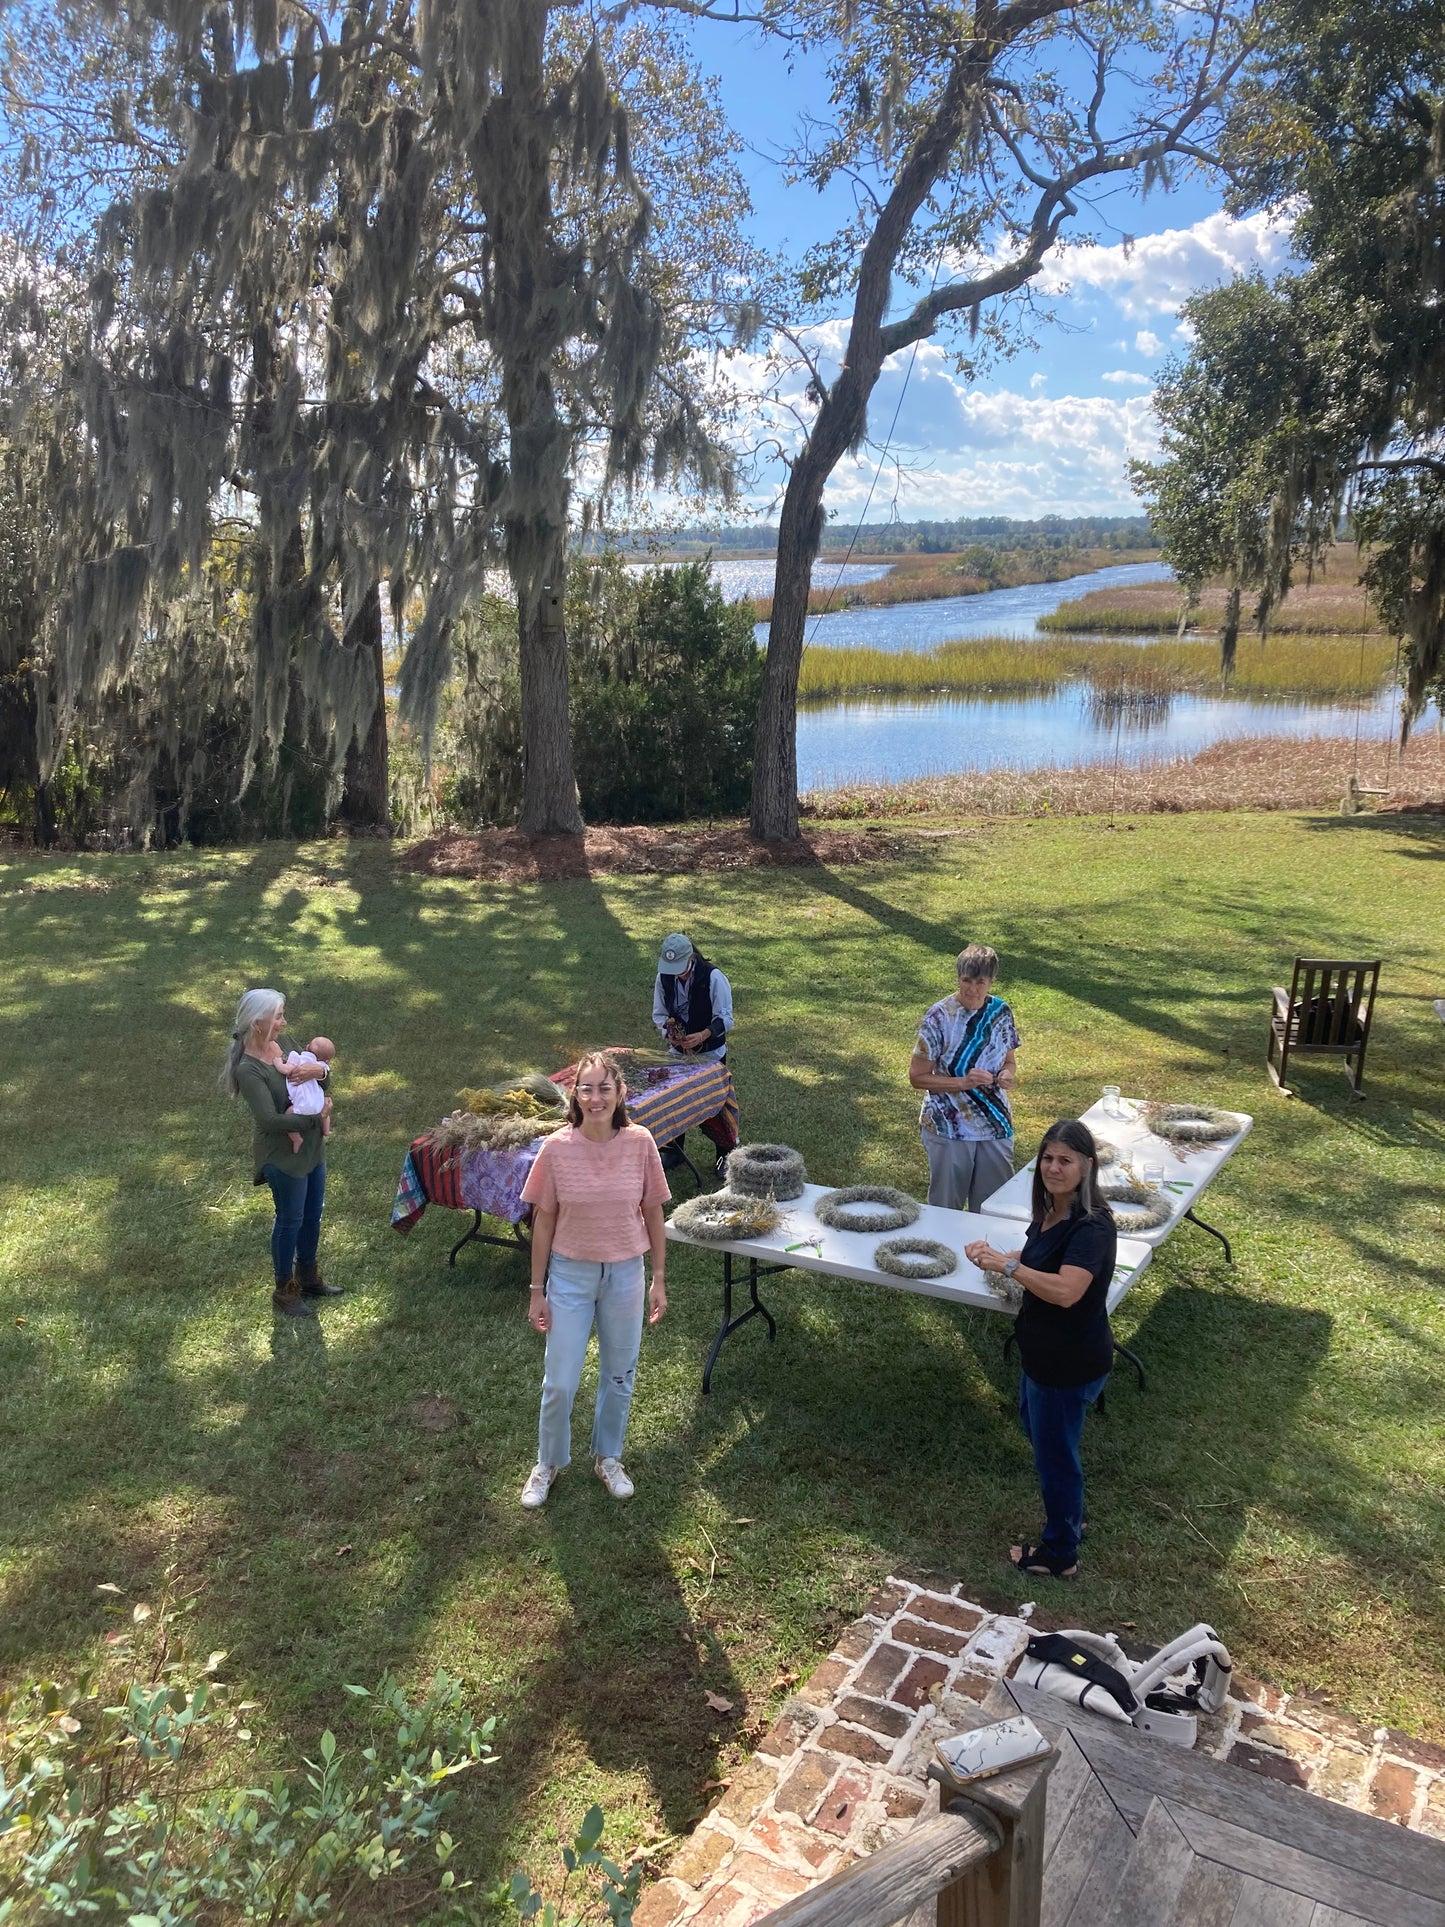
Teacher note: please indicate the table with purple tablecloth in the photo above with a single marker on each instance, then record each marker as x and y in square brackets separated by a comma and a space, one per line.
[666, 1099]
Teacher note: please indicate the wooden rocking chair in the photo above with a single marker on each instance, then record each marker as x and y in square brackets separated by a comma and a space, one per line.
[1325, 1012]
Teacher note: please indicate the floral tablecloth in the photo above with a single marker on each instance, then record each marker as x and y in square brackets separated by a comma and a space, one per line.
[676, 1098]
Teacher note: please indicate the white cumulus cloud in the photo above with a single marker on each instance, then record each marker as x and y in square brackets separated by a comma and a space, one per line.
[1155, 273]
[1146, 342]
[1126, 378]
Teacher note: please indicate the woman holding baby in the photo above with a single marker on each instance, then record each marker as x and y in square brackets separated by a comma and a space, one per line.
[285, 1095]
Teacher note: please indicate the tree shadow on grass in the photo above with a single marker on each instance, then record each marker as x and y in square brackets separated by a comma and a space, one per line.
[899, 1420]
[1422, 837]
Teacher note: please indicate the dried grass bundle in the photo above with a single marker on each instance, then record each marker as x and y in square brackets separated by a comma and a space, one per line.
[517, 1101]
[1190, 1123]
[720, 1217]
[837, 1209]
[766, 1171]
[464, 1131]
[915, 1258]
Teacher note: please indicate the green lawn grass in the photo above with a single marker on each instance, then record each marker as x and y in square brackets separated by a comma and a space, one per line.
[1282, 1477]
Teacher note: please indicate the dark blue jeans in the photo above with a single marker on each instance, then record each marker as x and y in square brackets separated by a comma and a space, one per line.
[1053, 1420]
[297, 1230]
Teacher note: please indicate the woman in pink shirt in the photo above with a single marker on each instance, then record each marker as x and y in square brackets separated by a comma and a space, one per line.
[596, 1192]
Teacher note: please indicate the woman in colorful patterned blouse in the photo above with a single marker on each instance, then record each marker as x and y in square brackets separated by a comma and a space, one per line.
[597, 1190]
[964, 1063]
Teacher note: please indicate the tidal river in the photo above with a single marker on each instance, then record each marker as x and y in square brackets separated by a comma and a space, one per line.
[894, 740]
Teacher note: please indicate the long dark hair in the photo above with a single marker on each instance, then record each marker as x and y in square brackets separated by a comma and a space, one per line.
[1078, 1137]
[602, 1060]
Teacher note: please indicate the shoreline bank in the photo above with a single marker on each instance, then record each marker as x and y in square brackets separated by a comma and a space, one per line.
[937, 578]
[1261, 774]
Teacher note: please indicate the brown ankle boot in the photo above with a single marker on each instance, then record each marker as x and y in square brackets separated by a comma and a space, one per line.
[287, 1300]
[313, 1285]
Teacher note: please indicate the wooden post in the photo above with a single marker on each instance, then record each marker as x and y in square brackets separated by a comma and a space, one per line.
[1006, 1890]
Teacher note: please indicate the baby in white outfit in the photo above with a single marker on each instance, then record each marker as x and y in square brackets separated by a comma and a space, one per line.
[306, 1093]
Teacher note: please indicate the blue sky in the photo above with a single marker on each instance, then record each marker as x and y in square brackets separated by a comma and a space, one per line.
[1050, 430]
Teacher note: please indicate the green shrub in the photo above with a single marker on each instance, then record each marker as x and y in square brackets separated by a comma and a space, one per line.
[148, 1810]
[666, 678]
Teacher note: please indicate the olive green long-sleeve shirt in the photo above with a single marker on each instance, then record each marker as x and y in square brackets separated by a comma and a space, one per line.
[264, 1089]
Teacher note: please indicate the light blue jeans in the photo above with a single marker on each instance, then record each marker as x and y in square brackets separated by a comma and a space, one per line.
[579, 1292]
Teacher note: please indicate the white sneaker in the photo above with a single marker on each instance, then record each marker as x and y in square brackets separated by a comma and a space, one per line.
[539, 1484]
[614, 1478]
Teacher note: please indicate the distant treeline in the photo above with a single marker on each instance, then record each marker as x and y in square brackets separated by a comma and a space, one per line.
[909, 538]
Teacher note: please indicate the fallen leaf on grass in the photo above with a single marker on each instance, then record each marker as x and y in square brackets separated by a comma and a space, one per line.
[341, 1551]
[20, 1321]
[718, 1703]
[68, 1724]
[787, 1677]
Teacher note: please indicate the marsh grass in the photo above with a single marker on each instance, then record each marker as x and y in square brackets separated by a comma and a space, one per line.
[344, 1493]
[1283, 666]
[934, 578]
[1331, 604]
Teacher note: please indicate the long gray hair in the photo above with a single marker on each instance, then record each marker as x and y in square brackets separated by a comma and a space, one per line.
[254, 1008]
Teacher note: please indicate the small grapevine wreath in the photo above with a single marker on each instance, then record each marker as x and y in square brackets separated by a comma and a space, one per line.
[718, 1217]
[766, 1171]
[835, 1210]
[1190, 1123]
[1135, 1206]
[915, 1258]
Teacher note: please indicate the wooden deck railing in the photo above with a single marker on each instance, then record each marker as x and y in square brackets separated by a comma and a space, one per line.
[979, 1862]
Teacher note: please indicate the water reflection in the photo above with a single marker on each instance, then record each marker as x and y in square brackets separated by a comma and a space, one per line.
[1000, 612]
[894, 741]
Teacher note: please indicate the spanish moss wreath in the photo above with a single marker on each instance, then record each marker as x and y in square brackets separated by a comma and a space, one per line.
[1135, 1206]
[766, 1171]
[1191, 1123]
[833, 1209]
[1106, 1152]
[717, 1217]
[915, 1258]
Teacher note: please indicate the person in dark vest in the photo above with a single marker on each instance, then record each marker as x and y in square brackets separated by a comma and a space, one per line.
[692, 1007]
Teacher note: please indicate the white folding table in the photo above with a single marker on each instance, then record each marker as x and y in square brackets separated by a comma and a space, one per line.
[1187, 1173]
[849, 1254]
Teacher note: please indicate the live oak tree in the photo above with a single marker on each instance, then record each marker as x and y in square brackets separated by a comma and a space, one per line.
[974, 135]
[1274, 376]
[399, 278]
[1340, 127]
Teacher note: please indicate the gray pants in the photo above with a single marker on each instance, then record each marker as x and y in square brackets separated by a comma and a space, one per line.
[962, 1172]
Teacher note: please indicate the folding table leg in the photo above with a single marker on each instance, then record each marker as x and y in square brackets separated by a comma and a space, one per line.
[519, 1241]
[1195, 1219]
[467, 1237]
[1135, 1360]
[756, 1309]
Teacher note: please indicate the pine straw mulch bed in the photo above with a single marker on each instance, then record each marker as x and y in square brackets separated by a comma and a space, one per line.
[506, 856]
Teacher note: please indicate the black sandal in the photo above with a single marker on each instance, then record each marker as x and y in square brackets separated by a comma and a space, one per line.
[1037, 1563]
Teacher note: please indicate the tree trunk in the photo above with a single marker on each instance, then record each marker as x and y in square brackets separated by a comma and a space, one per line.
[841, 419]
[366, 788]
[549, 787]
[775, 755]
[45, 825]
[1229, 635]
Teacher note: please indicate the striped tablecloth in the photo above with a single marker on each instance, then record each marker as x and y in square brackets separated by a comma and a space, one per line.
[678, 1098]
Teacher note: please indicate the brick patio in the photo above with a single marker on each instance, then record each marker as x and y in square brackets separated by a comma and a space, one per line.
[841, 1770]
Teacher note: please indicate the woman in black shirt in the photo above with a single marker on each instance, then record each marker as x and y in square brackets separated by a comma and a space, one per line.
[1065, 1342]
